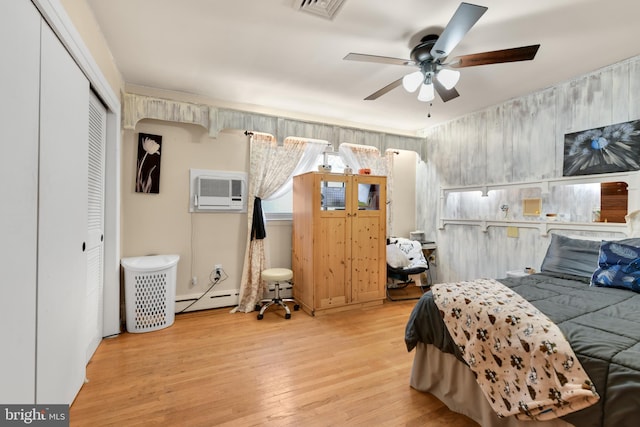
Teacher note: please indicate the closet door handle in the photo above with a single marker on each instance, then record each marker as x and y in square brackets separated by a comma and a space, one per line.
[84, 246]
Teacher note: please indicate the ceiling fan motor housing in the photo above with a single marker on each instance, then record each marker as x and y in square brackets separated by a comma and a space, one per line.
[422, 52]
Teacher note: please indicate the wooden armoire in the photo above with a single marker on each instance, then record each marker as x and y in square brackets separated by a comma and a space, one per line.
[339, 241]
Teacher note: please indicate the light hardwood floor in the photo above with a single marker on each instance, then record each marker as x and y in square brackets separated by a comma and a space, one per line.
[213, 368]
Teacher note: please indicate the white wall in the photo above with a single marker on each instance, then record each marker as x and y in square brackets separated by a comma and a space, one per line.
[161, 223]
[87, 28]
[403, 203]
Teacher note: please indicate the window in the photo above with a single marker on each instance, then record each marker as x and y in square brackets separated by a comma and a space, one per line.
[282, 207]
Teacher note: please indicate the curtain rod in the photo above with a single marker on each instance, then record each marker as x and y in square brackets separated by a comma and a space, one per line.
[249, 133]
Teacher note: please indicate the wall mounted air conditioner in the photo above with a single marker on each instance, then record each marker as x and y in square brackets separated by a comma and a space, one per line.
[218, 191]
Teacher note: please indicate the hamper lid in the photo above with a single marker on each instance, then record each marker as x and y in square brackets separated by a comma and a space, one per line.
[149, 263]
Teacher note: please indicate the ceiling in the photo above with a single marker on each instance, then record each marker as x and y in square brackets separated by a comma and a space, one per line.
[267, 54]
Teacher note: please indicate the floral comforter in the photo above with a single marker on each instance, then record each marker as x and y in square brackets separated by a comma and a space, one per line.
[521, 360]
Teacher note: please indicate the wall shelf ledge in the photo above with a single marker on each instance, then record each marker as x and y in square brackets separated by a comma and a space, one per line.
[543, 226]
[632, 178]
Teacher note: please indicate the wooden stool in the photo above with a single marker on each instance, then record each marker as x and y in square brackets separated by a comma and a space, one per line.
[276, 276]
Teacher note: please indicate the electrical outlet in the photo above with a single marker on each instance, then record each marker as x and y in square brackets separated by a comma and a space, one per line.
[194, 281]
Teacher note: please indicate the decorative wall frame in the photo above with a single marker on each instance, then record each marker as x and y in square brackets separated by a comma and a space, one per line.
[613, 148]
[148, 164]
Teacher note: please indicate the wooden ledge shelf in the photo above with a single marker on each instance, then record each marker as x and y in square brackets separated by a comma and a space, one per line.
[545, 186]
[632, 178]
[543, 226]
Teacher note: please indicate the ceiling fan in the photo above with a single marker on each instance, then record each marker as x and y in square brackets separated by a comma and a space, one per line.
[435, 75]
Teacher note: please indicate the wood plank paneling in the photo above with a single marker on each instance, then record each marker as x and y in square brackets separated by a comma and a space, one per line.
[634, 89]
[498, 151]
[620, 93]
[473, 150]
[520, 140]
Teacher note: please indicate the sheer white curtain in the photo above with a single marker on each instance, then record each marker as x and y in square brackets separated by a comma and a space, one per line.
[389, 155]
[363, 157]
[270, 166]
[312, 149]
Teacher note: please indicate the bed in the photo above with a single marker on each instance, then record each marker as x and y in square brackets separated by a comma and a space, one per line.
[600, 320]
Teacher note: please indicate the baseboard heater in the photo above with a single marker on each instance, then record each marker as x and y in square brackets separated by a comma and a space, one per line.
[214, 299]
[223, 298]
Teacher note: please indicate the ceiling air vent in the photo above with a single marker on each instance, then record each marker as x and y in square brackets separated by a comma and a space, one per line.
[324, 8]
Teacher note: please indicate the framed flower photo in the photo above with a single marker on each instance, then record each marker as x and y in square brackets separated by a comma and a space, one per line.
[613, 148]
[148, 165]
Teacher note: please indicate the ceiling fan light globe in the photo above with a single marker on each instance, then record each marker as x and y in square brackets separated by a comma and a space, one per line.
[448, 78]
[426, 93]
[411, 82]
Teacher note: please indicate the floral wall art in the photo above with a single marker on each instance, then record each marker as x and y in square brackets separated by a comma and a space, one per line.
[614, 148]
[148, 165]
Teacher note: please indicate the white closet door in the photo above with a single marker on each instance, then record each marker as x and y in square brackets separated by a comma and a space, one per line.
[19, 86]
[95, 225]
[61, 293]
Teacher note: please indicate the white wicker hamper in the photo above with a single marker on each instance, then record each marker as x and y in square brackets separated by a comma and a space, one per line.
[150, 290]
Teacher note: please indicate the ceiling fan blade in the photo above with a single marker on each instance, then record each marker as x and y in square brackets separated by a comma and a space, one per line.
[524, 53]
[388, 88]
[461, 22]
[445, 94]
[378, 59]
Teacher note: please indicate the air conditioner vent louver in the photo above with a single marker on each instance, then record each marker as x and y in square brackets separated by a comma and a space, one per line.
[214, 188]
[324, 8]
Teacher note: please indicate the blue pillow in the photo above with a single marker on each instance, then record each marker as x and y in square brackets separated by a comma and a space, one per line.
[619, 267]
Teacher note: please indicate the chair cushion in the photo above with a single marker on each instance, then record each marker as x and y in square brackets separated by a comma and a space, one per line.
[276, 274]
[412, 251]
[395, 257]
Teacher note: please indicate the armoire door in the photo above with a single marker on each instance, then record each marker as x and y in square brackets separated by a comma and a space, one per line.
[95, 225]
[332, 248]
[368, 238]
[62, 225]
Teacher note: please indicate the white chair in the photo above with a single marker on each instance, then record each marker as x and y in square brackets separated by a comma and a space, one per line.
[405, 266]
[276, 276]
